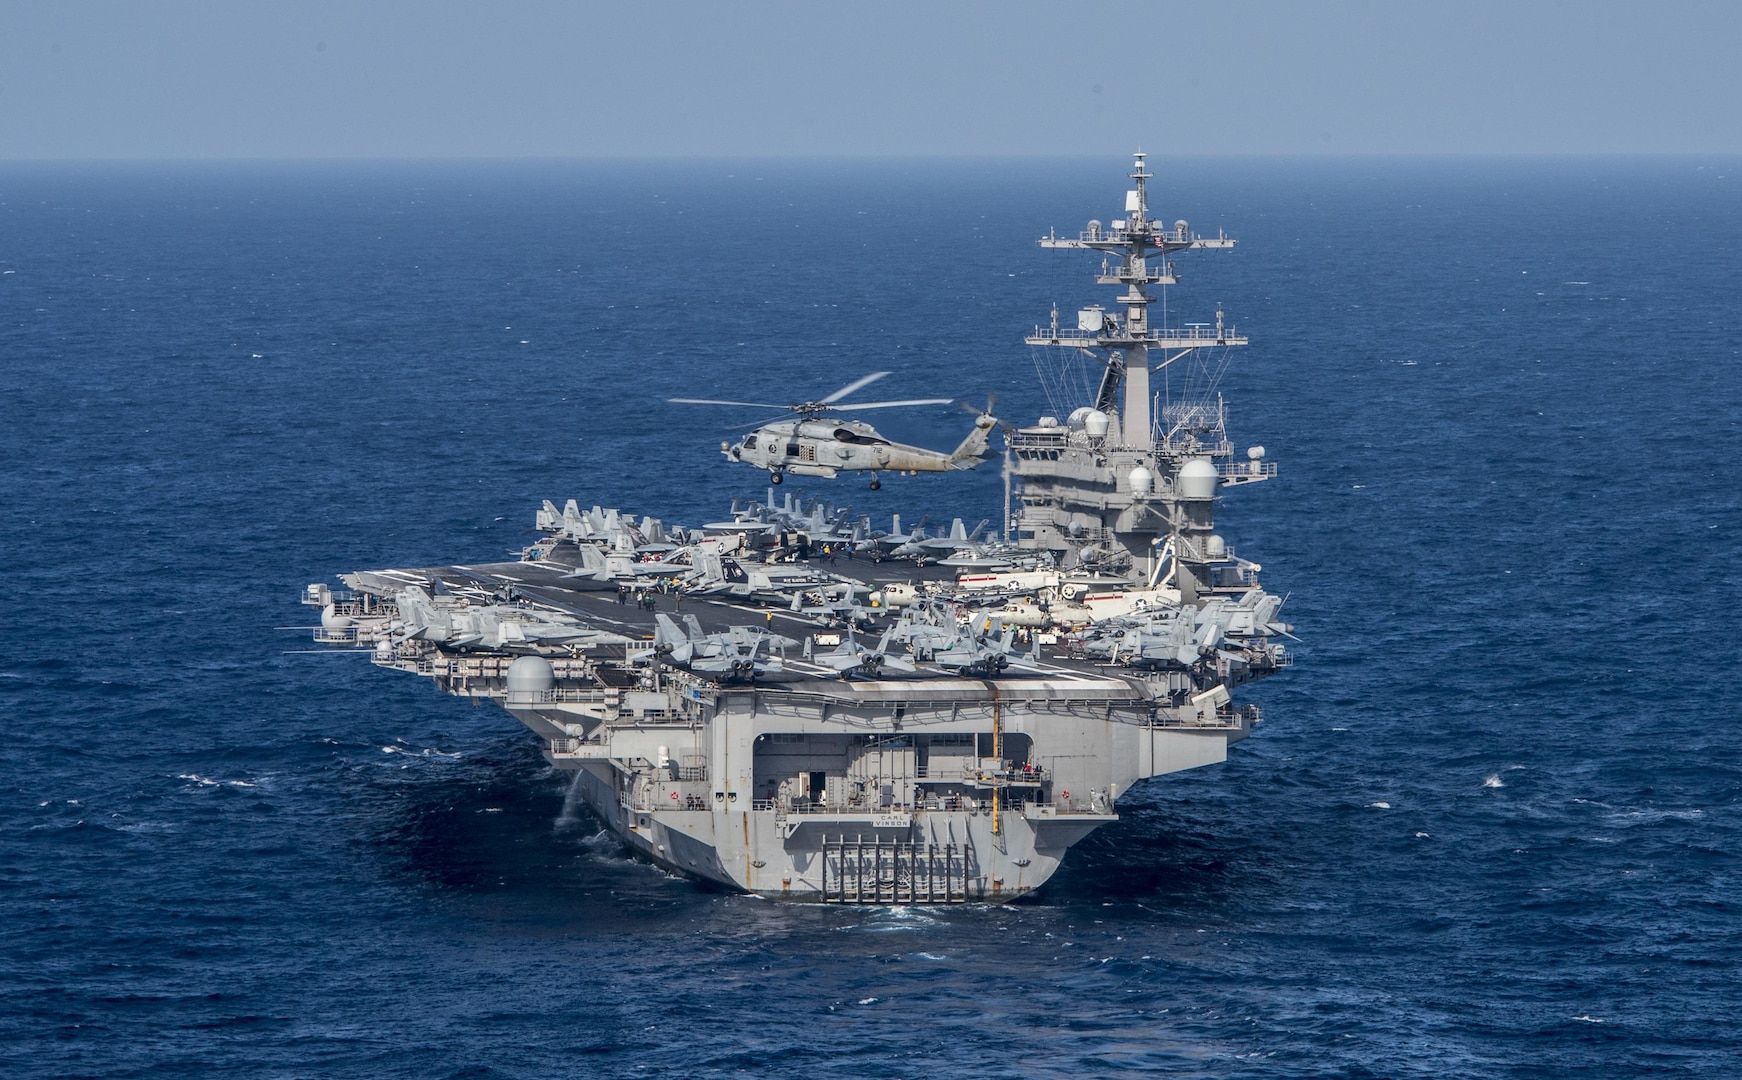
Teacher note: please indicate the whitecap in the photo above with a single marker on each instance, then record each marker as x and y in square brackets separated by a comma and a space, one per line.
[1589, 1019]
[901, 920]
[868, 1001]
[427, 752]
[1380, 805]
[1650, 816]
[906, 913]
[1493, 781]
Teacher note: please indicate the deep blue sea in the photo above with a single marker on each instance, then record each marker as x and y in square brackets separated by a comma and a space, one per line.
[1490, 826]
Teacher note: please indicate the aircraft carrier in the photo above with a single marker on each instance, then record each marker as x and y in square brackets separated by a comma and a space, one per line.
[794, 703]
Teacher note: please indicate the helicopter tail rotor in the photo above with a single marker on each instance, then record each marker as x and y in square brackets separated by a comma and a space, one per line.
[991, 403]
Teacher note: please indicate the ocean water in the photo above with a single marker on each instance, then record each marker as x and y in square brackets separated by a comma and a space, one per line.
[1490, 826]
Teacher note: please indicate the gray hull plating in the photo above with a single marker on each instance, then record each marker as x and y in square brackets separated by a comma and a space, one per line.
[923, 818]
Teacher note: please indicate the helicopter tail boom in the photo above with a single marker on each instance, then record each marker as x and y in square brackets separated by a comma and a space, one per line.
[973, 448]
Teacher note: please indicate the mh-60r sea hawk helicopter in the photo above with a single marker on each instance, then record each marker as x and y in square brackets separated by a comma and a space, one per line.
[815, 444]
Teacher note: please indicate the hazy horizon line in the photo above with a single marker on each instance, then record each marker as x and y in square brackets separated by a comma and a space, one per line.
[667, 159]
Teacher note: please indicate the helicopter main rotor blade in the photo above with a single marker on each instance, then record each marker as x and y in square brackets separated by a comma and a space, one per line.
[764, 422]
[852, 386]
[891, 404]
[710, 401]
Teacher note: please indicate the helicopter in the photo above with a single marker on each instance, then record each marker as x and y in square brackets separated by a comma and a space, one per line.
[816, 444]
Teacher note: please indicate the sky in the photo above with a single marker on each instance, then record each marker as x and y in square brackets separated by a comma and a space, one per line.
[187, 79]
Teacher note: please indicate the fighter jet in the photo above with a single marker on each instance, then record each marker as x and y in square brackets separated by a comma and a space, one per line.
[882, 545]
[984, 653]
[610, 527]
[716, 575]
[923, 547]
[984, 647]
[457, 624]
[1161, 639]
[852, 658]
[598, 565]
[1253, 615]
[1157, 637]
[732, 655]
[832, 613]
[819, 520]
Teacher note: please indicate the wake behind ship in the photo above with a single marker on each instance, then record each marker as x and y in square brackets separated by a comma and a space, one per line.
[793, 703]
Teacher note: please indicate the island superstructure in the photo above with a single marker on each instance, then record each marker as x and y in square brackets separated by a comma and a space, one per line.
[795, 704]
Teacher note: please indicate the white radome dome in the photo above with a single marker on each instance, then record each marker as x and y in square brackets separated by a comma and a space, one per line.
[530, 674]
[1198, 479]
[1142, 481]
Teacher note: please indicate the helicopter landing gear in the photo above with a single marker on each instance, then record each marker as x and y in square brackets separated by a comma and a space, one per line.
[777, 477]
[875, 483]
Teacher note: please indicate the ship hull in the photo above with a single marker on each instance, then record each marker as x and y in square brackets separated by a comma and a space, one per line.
[935, 859]
[913, 821]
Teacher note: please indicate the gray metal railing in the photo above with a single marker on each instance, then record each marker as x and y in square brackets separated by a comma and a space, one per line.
[563, 695]
[1181, 335]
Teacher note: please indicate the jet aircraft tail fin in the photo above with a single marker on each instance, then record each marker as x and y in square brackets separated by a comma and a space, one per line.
[707, 560]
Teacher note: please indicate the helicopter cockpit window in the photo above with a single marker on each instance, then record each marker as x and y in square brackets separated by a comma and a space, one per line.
[750, 442]
[848, 435]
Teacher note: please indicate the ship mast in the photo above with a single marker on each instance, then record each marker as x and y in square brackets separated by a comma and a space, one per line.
[1107, 486]
[1123, 344]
